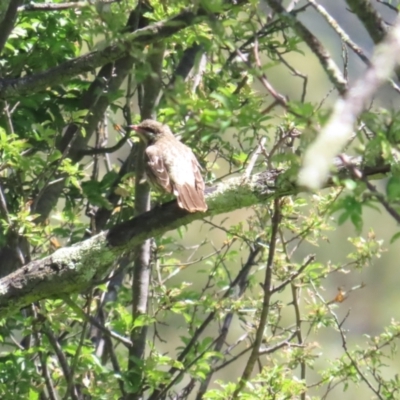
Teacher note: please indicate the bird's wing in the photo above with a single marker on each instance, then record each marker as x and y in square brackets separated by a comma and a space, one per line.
[157, 169]
[189, 185]
[199, 182]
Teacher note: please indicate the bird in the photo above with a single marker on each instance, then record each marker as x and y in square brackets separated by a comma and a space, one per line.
[171, 166]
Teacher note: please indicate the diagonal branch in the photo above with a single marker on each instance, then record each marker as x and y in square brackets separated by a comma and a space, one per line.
[81, 266]
[370, 18]
[315, 45]
[338, 130]
[267, 286]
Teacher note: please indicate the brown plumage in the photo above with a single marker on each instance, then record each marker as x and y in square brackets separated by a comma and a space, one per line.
[172, 166]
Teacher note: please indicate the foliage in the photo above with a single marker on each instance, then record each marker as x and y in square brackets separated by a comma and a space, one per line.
[241, 313]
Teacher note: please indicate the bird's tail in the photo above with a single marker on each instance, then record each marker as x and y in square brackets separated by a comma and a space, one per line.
[190, 198]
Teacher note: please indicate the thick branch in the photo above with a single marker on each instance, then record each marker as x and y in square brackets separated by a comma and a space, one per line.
[79, 267]
[7, 24]
[370, 18]
[3, 9]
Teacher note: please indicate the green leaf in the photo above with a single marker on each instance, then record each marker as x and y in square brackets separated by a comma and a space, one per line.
[393, 188]
[395, 237]
[54, 156]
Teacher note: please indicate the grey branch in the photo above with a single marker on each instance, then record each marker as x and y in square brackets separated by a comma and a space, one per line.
[61, 6]
[338, 130]
[325, 59]
[79, 267]
[370, 18]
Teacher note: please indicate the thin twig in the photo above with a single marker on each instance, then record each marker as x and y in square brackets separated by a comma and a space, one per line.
[283, 343]
[94, 322]
[63, 362]
[346, 38]
[51, 391]
[380, 197]
[251, 261]
[325, 59]
[254, 157]
[266, 302]
[353, 362]
[278, 288]
[107, 150]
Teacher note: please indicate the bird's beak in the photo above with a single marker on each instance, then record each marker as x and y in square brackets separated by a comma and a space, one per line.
[139, 131]
[132, 127]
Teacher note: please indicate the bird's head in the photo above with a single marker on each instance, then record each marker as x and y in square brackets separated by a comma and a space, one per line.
[150, 131]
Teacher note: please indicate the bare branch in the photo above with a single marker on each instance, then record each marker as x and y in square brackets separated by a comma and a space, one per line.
[370, 18]
[267, 286]
[63, 362]
[345, 37]
[339, 129]
[61, 6]
[315, 45]
[105, 150]
[94, 322]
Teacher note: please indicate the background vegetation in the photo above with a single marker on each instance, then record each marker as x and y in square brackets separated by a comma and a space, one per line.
[259, 298]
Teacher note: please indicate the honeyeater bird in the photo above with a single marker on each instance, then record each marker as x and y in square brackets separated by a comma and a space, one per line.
[171, 166]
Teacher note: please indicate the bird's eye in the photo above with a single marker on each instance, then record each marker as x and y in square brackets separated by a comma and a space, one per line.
[151, 130]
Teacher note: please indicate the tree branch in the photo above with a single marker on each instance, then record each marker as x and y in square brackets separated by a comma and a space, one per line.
[151, 87]
[80, 266]
[61, 6]
[96, 100]
[89, 62]
[7, 24]
[105, 150]
[267, 286]
[370, 18]
[339, 128]
[325, 59]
